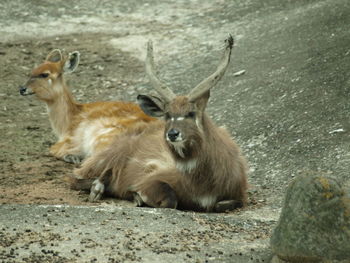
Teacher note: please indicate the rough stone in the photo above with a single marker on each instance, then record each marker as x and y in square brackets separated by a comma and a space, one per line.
[315, 221]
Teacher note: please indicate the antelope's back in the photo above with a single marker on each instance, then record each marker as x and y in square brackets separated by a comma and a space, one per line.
[100, 122]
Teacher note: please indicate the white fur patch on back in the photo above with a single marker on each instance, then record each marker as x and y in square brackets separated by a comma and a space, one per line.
[89, 131]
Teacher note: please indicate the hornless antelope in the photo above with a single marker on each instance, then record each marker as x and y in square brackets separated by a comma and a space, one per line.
[82, 129]
[185, 161]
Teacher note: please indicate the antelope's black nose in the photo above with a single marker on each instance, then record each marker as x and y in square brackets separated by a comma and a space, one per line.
[22, 90]
[173, 134]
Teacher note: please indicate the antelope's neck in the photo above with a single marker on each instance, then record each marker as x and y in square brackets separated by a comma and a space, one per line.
[205, 154]
[61, 111]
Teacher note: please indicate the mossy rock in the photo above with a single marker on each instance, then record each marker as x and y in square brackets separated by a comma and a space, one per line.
[314, 225]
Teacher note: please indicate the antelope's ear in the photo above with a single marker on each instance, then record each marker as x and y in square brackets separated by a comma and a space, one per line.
[202, 101]
[54, 56]
[151, 105]
[72, 62]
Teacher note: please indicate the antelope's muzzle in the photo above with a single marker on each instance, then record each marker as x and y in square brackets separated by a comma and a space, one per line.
[24, 91]
[174, 135]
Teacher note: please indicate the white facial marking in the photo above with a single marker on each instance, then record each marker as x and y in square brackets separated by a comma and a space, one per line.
[179, 138]
[48, 109]
[197, 122]
[180, 118]
[49, 81]
[179, 147]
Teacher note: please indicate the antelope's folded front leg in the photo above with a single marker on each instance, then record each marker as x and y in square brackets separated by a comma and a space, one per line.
[157, 194]
[63, 150]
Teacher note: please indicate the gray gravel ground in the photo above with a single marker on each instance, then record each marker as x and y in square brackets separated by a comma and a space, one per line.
[120, 234]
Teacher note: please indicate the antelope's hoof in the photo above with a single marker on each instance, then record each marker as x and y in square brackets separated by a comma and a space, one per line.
[97, 190]
[138, 200]
[71, 158]
[227, 205]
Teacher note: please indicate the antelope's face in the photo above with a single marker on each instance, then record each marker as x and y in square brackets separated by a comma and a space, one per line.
[45, 80]
[41, 81]
[184, 129]
[183, 122]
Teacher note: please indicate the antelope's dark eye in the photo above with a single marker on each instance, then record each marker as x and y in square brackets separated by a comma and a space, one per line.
[191, 114]
[167, 116]
[43, 75]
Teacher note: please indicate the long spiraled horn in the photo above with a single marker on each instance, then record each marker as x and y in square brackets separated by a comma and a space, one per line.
[159, 86]
[211, 81]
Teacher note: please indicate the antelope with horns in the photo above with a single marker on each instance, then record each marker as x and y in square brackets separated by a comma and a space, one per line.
[82, 129]
[183, 161]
